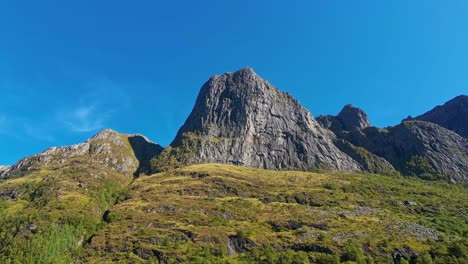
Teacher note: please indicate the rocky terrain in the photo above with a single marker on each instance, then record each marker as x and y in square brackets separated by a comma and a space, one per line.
[125, 154]
[239, 118]
[413, 147]
[453, 115]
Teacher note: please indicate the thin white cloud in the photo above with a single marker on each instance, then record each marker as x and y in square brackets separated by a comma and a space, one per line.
[95, 108]
[84, 118]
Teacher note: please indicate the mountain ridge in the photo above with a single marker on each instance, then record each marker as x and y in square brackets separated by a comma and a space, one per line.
[240, 118]
[122, 198]
[99, 148]
[452, 115]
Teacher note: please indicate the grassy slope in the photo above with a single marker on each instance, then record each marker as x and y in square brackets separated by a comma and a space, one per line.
[47, 215]
[224, 213]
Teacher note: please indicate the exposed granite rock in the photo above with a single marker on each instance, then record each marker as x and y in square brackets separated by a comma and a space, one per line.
[241, 119]
[125, 154]
[350, 119]
[445, 151]
[416, 148]
[348, 128]
[348, 124]
[3, 169]
[452, 115]
[353, 118]
[417, 231]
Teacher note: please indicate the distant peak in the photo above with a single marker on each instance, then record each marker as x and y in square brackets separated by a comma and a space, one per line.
[353, 117]
[104, 133]
[452, 115]
[108, 135]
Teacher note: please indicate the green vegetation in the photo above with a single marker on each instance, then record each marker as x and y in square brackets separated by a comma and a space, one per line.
[213, 213]
[421, 167]
[369, 161]
[47, 216]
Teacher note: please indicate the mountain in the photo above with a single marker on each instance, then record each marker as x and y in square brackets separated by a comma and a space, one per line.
[98, 202]
[413, 147]
[240, 118]
[452, 115]
[125, 154]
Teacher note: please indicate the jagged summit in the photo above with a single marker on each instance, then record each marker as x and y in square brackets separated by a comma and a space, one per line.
[350, 118]
[443, 152]
[353, 118]
[452, 115]
[240, 118]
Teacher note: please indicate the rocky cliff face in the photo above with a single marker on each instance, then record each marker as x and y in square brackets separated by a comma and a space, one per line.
[125, 154]
[239, 118]
[414, 147]
[452, 115]
[444, 152]
[348, 128]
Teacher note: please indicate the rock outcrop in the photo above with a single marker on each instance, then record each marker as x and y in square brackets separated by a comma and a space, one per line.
[240, 118]
[350, 119]
[348, 128]
[413, 147]
[3, 170]
[353, 118]
[452, 115]
[442, 152]
[125, 154]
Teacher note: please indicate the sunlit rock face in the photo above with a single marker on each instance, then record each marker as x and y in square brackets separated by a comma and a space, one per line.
[240, 118]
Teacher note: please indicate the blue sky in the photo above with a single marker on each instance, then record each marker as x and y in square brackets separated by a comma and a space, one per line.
[71, 68]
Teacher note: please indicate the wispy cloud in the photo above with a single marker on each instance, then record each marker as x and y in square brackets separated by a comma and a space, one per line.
[83, 118]
[94, 108]
[92, 104]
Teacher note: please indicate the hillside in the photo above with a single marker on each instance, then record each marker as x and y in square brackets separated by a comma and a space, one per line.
[251, 177]
[214, 213]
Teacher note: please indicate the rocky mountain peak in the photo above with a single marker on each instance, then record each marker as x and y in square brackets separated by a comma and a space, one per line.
[353, 118]
[240, 118]
[125, 154]
[452, 115]
[105, 134]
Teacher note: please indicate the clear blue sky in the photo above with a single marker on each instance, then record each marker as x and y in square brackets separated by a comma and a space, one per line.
[71, 68]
